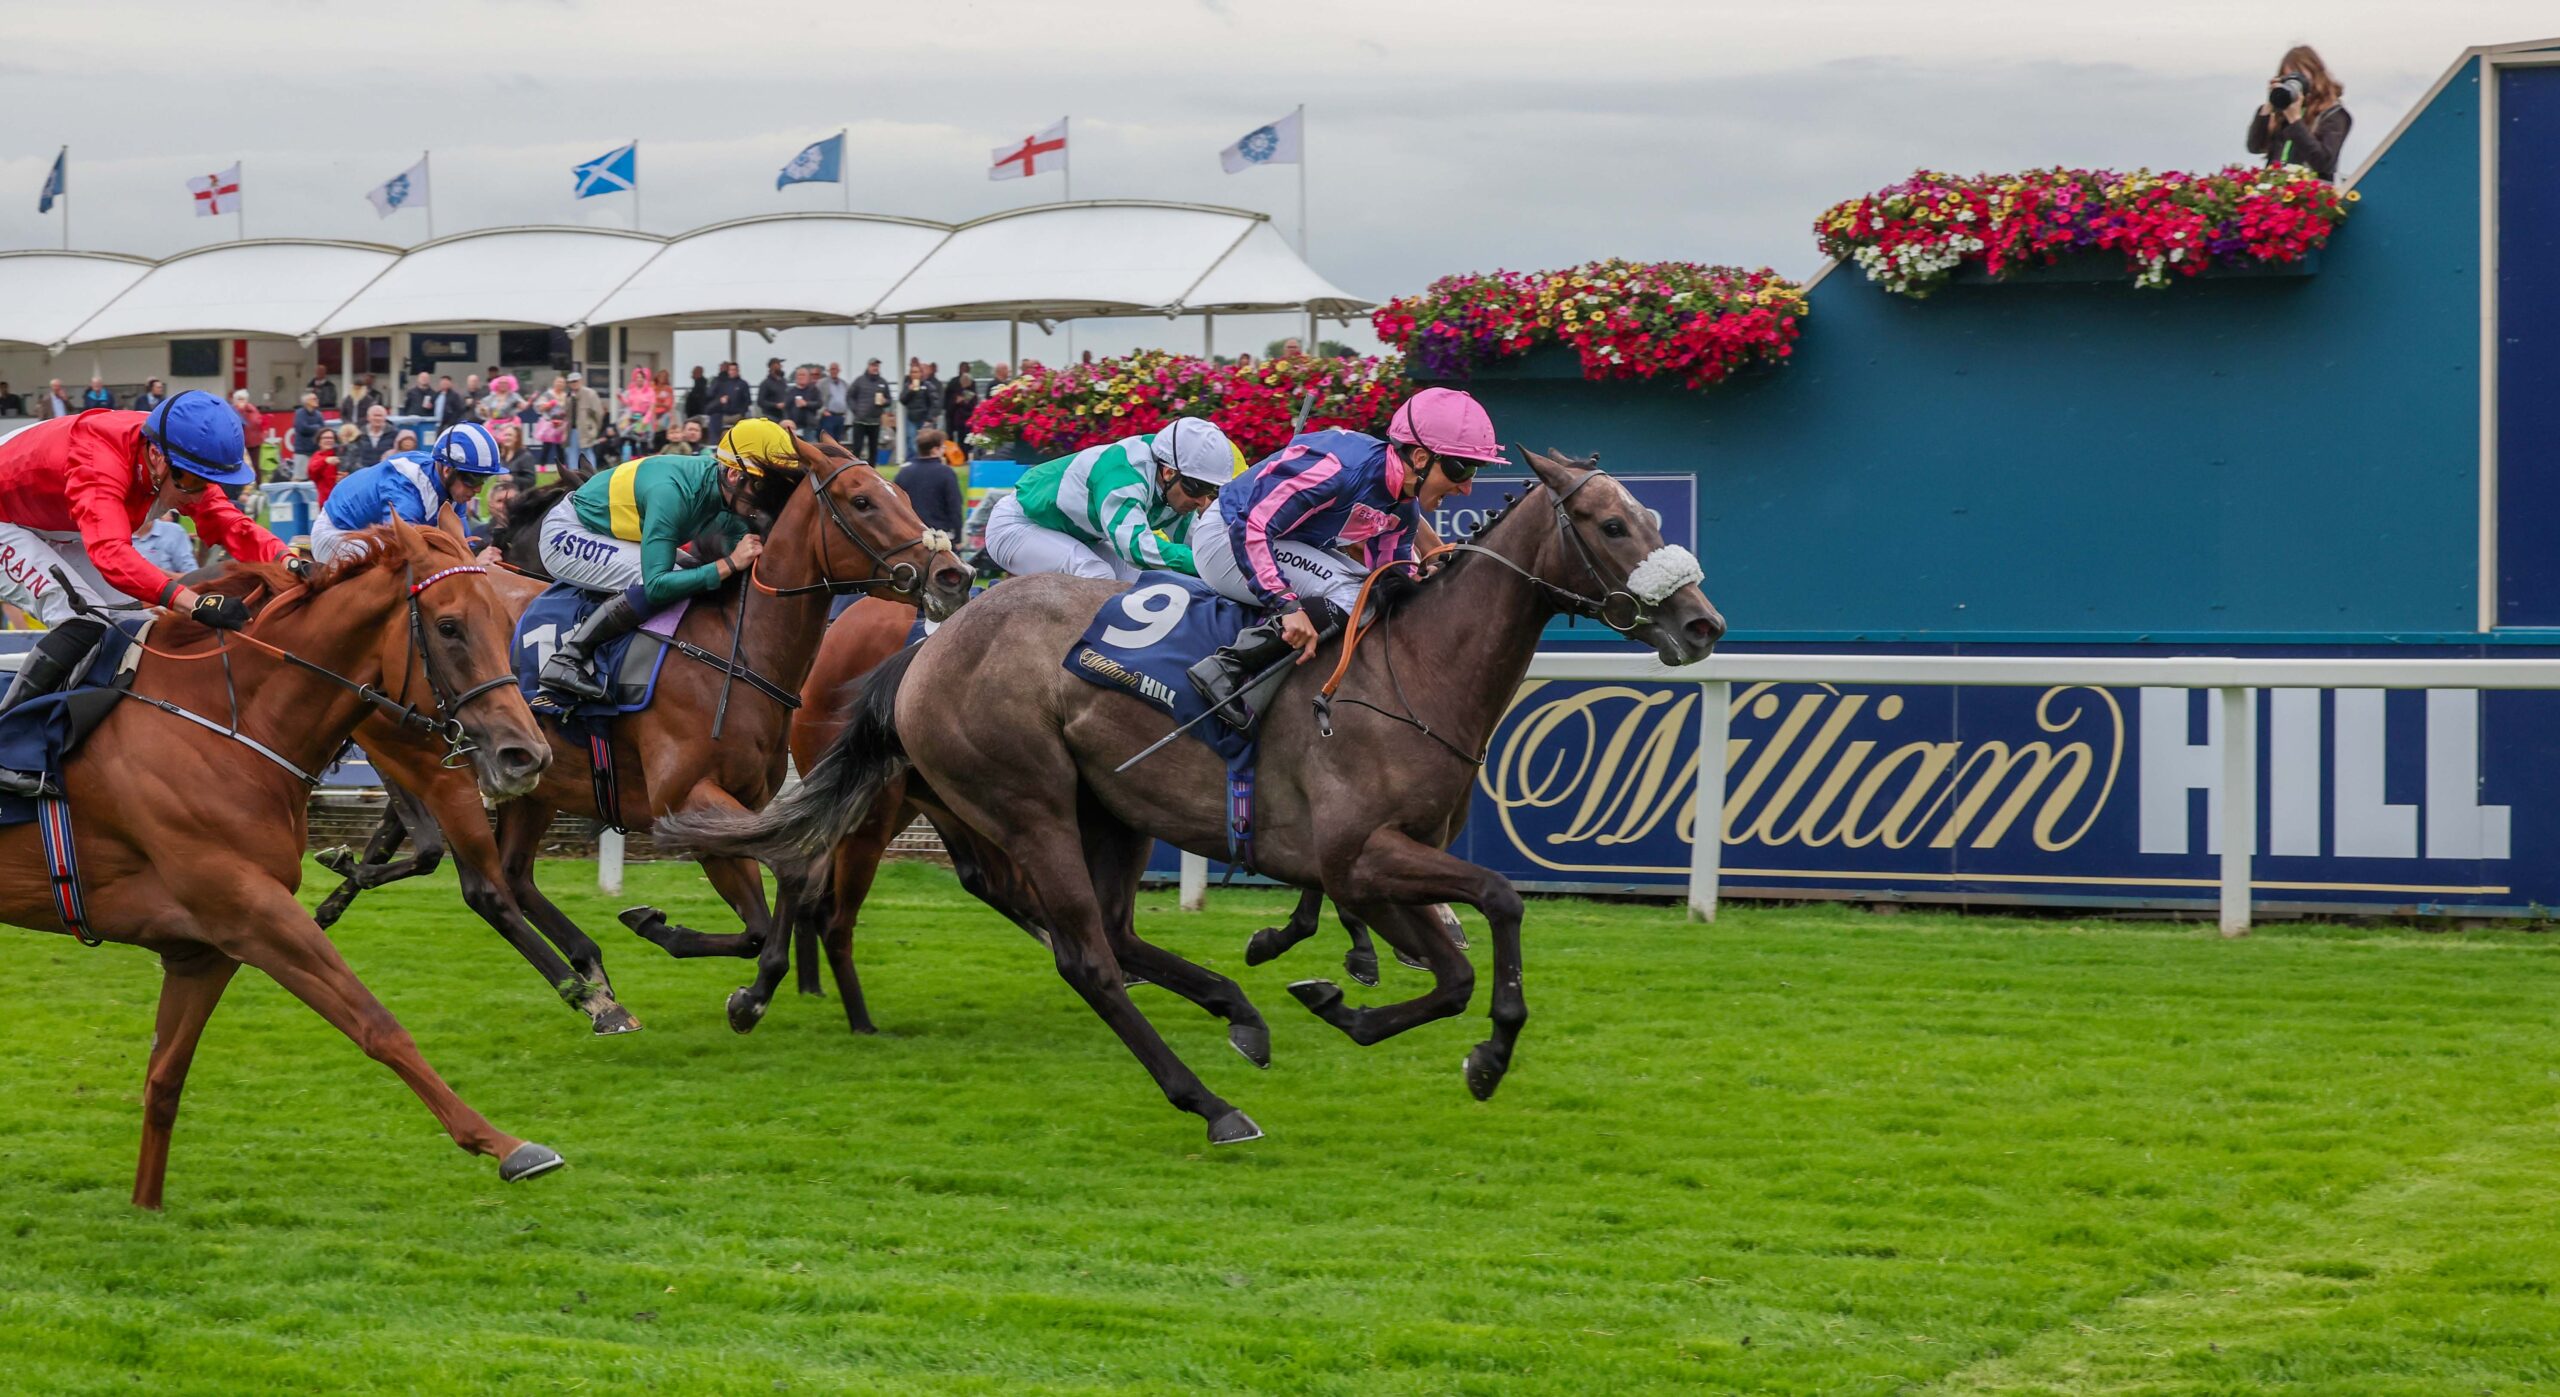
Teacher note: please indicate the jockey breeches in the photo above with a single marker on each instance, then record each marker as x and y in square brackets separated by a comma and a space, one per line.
[1025, 549]
[28, 558]
[1310, 571]
[577, 555]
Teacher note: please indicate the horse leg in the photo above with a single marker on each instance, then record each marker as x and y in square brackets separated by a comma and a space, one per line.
[1116, 858]
[191, 983]
[1271, 942]
[740, 883]
[1393, 867]
[265, 927]
[484, 889]
[855, 864]
[521, 825]
[352, 867]
[1417, 937]
[748, 1002]
[1361, 961]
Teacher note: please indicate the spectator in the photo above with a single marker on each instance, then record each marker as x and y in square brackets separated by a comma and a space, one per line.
[153, 394]
[421, 399]
[731, 400]
[931, 486]
[551, 424]
[833, 397]
[321, 466]
[1244, 360]
[359, 399]
[869, 397]
[1002, 374]
[96, 395]
[11, 405]
[372, 443]
[324, 388]
[482, 532]
[56, 402]
[253, 423]
[697, 395]
[2308, 126]
[586, 416]
[684, 439]
[166, 545]
[406, 439]
[451, 406]
[308, 424]
[959, 404]
[919, 402]
[662, 405]
[773, 395]
[511, 452]
[501, 401]
[639, 409]
[471, 397]
[807, 398]
[1291, 348]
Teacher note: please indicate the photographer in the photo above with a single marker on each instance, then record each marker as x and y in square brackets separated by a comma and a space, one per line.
[2302, 121]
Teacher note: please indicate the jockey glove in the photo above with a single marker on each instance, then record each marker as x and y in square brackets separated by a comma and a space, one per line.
[220, 612]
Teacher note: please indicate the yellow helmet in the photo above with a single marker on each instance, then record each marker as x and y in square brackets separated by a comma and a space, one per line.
[757, 445]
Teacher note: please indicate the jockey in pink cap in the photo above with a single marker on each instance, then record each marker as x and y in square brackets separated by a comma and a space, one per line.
[1283, 537]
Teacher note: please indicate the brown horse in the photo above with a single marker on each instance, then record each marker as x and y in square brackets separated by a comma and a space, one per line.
[1363, 807]
[711, 739]
[189, 842]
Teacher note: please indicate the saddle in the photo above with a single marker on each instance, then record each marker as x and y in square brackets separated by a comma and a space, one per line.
[42, 733]
[634, 667]
[1143, 642]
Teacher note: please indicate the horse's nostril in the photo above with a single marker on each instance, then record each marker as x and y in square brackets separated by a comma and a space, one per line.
[1707, 629]
[516, 759]
[952, 579]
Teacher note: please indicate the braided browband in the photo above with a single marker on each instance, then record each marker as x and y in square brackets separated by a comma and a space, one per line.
[433, 578]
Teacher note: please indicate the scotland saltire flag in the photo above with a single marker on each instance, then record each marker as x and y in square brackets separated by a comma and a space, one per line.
[405, 190]
[610, 173]
[1283, 142]
[54, 188]
[821, 162]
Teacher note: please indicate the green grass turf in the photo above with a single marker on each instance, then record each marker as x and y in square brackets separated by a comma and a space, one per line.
[1805, 1150]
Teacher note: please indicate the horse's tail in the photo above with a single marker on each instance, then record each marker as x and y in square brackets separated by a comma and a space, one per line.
[835, 795]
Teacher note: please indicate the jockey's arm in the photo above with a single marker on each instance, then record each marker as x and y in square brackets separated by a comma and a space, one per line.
[1271, 518]
[1127, 531]
[97, 501]
[660, 577]
[221, 521]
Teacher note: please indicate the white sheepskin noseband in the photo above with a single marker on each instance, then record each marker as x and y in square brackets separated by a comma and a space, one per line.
[1666, 570]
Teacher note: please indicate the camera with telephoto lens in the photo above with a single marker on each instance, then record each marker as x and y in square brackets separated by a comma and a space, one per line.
[2288, 90]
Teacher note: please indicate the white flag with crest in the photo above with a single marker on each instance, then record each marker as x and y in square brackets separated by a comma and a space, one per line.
[405, 190]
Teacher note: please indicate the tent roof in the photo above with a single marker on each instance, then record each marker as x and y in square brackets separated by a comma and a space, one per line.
[499, 276]
[1108, 257]
[272, 286]
[790, 269]
[45, 295]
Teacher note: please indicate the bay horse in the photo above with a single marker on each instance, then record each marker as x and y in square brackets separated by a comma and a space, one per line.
[1363, 806]
[189, 840]
[710, 739]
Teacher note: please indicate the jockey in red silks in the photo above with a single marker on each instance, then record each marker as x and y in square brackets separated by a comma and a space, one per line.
[72, 493]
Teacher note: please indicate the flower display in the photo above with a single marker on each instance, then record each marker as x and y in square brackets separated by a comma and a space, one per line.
[1679, 320]
[1056, 411]
[1911, 237]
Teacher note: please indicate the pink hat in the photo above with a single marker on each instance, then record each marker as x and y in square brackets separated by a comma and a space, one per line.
[1449, 422]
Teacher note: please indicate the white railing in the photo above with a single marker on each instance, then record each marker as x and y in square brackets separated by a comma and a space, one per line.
[2233, 678]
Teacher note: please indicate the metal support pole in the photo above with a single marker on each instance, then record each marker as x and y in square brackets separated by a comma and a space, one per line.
[1706, 820]
[1208, 335]
[1013, 343]
[898, 443]
[609, 862]
[2239, 805]
[1195, 882]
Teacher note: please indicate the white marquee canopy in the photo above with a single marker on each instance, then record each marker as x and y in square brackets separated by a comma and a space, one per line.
[1108, 257]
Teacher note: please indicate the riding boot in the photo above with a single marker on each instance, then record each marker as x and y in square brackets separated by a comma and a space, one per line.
[571, 670]
[57, 655]
[1224, 676]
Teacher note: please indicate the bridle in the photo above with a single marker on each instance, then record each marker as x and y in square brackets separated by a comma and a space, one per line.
[1605, 608]
[897, 577]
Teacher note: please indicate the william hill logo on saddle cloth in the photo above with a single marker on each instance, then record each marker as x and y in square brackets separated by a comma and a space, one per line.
[1142, 641]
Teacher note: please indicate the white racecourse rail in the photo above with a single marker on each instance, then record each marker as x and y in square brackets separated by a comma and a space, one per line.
[2234, 678]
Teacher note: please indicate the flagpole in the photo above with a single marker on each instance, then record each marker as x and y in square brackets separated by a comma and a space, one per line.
[423, 157]
[844, 180]
[1302, 181]
[635, 184]
[1067, 169]
[62, 162]
[240, 205]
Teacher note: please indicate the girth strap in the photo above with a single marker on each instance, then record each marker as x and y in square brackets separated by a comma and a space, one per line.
[62, 865]
[606, 782]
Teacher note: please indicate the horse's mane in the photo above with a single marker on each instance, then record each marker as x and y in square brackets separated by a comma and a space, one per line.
[1397, 589]
[259, 585]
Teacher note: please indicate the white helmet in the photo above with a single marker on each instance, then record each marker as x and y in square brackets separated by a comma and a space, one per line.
[1197, 450]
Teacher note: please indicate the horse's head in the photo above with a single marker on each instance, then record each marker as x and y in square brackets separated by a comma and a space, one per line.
[1609, 549]
[451, 652]
[859, 527]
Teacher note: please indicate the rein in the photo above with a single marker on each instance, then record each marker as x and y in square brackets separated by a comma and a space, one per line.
[448, 703]
[897, 577]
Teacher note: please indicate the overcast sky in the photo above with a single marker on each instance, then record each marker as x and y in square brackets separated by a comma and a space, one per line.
[1441, 136]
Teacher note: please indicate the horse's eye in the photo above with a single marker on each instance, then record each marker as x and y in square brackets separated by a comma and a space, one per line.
[862, 504]
[449, 628]
[1614, 528]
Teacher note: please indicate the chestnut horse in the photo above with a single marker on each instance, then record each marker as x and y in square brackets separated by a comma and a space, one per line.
[189, 839]
[710, 740]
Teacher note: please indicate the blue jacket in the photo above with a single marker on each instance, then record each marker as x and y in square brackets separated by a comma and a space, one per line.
[406, 486]
[1328, 489]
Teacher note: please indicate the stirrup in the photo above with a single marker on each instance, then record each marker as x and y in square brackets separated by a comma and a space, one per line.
[566, 676]
[28, 785]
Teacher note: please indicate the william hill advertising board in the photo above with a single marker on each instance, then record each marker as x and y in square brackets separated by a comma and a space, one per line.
[2066, 795]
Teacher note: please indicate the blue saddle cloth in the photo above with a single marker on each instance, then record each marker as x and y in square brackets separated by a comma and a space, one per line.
[42, 733]
[634, 667]
[1142, 643]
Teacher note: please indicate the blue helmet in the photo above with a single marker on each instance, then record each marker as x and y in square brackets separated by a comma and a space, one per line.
[201, 435]
[469, 448]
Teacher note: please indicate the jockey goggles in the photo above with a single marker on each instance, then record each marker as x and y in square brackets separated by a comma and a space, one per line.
[756, 446]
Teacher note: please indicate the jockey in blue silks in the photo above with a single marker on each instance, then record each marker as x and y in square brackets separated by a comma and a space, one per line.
[414, 485]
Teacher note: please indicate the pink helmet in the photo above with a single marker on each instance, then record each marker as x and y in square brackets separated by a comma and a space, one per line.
[1449, 422]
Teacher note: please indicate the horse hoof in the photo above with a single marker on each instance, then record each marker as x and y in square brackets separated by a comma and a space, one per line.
[340, 860]
[1263, 947]
[1416, 963]
[642, 920]
[1363, 968]
[1320, 996]
[1233, 1128]
[613, 1018]
[1483, 1070]
[527, 1160]
[1253, 1040]
[745, 1010]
